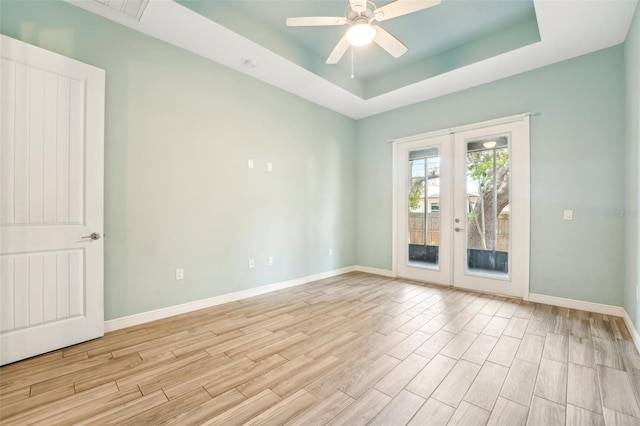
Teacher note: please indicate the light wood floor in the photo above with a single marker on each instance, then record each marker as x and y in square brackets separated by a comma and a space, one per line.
[354, 349]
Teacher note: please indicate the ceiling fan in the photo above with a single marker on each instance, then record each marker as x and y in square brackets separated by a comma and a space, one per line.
[362, 17]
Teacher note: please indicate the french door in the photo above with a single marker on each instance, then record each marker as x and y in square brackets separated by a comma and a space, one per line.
[462, 207]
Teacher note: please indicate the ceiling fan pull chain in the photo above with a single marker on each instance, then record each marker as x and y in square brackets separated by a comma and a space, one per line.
[352, 65]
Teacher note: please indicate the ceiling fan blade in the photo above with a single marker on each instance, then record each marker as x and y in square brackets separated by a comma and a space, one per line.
[315, 21]
[402, 7]
[389, 43]
[339, 51]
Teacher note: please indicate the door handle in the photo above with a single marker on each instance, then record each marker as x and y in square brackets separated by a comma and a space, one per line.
[459, 229]
[93, 236]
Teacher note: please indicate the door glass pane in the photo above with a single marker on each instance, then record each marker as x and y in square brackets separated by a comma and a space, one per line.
[487, 230]
[424, 207]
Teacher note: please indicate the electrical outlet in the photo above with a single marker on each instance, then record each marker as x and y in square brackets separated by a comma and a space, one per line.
[270, 260]
[251, 264]
[269, 167]
[330, 252]
[568, 215]
[179, 274]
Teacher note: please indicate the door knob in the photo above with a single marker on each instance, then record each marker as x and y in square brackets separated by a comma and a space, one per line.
[94, 236]
[458, 229]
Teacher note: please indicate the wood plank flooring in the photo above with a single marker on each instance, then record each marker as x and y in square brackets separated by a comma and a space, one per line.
[350, 350]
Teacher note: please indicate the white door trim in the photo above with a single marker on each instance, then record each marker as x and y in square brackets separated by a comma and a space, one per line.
[525, 159]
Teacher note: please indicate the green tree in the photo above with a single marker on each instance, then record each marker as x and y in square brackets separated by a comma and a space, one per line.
[492, 180]
[416, 193]
[418, 185]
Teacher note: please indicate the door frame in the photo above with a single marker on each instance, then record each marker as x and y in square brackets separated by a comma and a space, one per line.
[523, 152]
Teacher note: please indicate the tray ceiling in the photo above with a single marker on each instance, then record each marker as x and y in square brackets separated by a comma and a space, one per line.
[453, 46]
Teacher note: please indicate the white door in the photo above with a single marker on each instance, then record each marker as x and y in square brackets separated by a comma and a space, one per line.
[462, 207]
[424, 196]
[51, 201]
[491, 209]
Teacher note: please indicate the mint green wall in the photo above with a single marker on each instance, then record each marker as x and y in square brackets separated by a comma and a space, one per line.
[577, 158]
[632, 180]
[178, 193]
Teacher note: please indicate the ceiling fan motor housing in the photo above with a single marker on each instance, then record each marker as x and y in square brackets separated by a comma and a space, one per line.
[359, 5]
[363, 9]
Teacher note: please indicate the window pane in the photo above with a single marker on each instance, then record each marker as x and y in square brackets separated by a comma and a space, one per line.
[488, 181]
[424, 207]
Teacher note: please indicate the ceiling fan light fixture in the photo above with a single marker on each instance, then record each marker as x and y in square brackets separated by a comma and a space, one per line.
[489, 144]
[361, 34]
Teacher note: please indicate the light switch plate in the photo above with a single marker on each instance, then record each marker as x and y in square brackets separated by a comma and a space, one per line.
[568, 215]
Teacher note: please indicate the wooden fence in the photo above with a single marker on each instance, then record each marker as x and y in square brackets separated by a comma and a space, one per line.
[416, 229]
[417, 234]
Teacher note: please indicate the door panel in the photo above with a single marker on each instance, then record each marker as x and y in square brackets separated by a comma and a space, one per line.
[491, 202]
[52, 190]
[425, 200]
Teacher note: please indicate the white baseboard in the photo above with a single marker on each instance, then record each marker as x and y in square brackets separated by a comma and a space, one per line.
[632, 329]
[598, 308]
[141, 318]
[375, 271]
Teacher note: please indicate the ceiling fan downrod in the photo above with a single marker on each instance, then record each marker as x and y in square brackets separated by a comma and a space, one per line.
[352, 63]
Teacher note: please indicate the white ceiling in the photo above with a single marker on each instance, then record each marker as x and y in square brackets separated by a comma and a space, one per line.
[567, 28]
